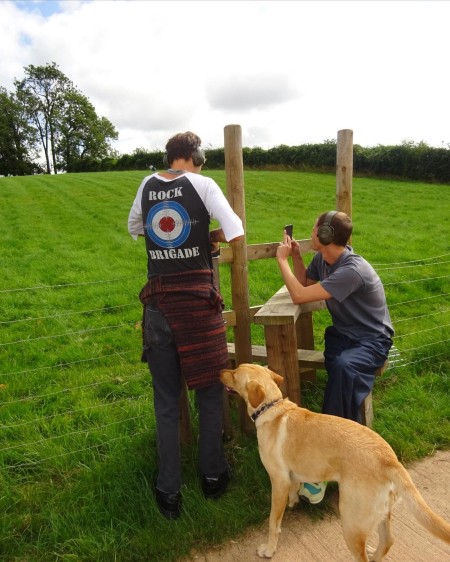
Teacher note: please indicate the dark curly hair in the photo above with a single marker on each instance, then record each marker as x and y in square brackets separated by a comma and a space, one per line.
[182, 146]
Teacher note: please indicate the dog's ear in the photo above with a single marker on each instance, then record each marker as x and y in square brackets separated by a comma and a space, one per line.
[278, 379]
[256, 393]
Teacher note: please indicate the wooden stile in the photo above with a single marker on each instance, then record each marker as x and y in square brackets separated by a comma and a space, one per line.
[288, 328]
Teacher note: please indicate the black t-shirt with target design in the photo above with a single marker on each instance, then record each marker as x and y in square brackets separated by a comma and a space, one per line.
[176, 226]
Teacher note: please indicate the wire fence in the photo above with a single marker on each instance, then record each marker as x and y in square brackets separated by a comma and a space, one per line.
[67, 392]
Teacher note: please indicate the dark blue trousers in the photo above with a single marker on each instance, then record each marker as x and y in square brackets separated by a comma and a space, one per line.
[351, 367]
[161, 354]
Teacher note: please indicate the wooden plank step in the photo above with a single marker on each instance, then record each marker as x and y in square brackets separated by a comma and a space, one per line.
[307, 358]
[311, 358]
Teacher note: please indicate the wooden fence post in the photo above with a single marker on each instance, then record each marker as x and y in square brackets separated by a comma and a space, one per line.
[234, 167]
[344, 171]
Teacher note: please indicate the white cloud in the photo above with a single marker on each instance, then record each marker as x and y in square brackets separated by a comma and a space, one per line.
[289, 72]
[250, 91]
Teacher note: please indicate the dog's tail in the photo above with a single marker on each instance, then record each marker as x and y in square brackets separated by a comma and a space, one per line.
[407, 490]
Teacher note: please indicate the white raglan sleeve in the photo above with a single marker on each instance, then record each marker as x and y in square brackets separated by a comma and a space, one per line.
[220, 210]
[135, 223]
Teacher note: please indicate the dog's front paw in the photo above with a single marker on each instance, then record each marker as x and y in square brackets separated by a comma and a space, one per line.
[265, 552]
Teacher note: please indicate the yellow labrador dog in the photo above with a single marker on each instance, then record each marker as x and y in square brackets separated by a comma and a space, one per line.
[297, 445]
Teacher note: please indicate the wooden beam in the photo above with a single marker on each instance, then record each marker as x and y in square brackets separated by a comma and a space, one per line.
[260, 251]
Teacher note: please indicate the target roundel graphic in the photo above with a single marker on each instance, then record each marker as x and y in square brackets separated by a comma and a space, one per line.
[168, 224]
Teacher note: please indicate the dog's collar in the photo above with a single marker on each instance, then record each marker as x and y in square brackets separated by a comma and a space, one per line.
[264, 408]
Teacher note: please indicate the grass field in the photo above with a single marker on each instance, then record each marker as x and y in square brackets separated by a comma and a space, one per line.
[77, 441]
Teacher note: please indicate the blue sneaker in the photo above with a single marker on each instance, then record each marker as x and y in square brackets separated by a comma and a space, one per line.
[312, 492]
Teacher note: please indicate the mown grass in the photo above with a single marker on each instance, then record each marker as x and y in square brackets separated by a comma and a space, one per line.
[77, 441]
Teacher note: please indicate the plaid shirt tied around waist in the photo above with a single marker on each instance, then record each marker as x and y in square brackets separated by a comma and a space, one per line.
[192, 306]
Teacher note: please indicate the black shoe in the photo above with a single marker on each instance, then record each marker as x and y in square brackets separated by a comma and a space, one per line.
[169, 504]
[213, 488]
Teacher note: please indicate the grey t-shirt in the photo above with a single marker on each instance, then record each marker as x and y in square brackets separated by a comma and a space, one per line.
[358, 305]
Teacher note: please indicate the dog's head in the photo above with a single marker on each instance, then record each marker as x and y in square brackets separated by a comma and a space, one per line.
[255, 384]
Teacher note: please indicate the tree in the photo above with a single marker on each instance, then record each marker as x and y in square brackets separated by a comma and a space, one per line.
[82, 134]
[17, 138]
[64, 119]
[41, 94]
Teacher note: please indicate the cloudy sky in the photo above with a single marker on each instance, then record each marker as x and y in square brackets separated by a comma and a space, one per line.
[291, 72]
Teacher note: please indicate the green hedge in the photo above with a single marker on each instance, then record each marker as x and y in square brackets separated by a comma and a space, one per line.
[409, 161]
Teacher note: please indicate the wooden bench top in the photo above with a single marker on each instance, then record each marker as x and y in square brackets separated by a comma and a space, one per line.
[280, 309]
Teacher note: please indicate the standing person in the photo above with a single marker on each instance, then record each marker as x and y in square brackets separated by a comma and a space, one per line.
[358, 341]
[184, 333]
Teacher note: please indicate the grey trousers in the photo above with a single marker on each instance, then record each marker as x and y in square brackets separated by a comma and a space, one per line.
[161, 354]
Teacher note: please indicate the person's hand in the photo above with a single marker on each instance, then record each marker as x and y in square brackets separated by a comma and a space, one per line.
[285, 248]
[295, 248]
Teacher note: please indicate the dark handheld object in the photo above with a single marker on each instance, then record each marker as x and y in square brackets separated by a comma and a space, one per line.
[289, 228]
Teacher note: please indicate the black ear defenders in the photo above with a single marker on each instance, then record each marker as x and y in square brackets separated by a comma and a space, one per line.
[198, 158]
[325, 232]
